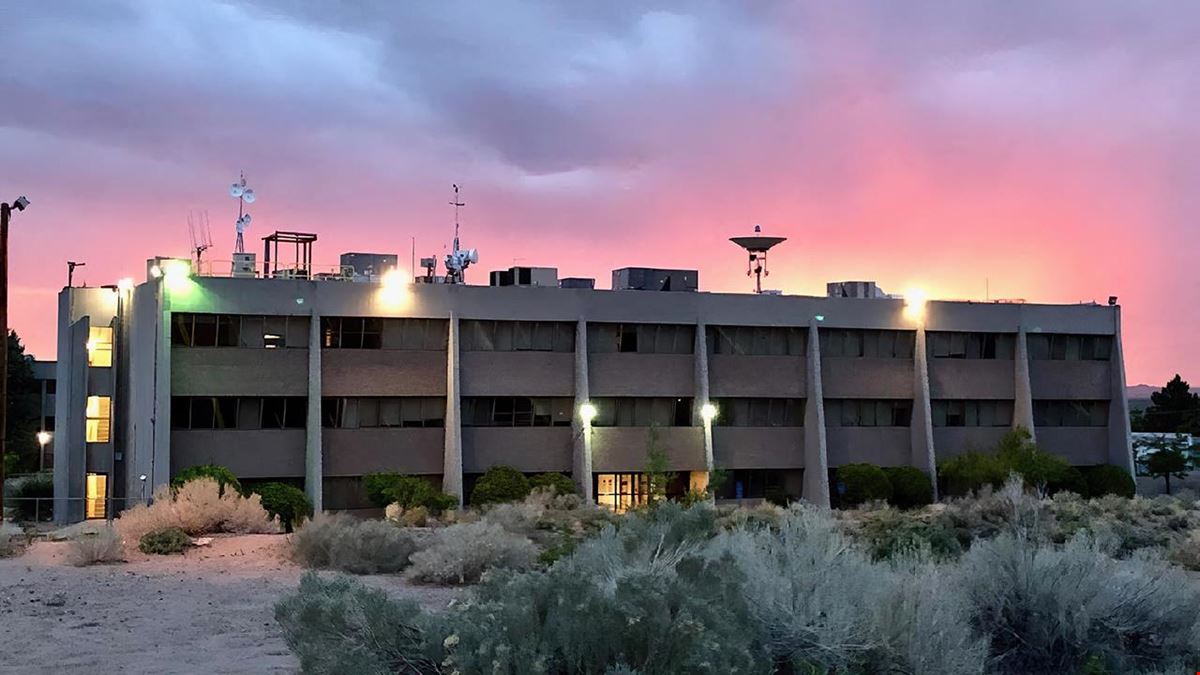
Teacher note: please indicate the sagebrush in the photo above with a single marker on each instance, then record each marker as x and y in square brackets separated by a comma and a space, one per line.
[102, 545]
[342, 542]
[197, 507]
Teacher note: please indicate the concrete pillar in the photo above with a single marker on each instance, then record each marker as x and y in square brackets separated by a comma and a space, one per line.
[581, 434]
[701, 376]
[70, 446]
[816, 453]
[923, 456]
[452, 462]
[1120, 442]
[160, 460]
[1023, 403]
[313, 472]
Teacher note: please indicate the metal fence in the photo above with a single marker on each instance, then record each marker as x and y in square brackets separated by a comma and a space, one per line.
[40, 510]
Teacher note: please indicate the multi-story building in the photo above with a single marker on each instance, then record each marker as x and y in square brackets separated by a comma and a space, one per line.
[46, 375]
[318, 382]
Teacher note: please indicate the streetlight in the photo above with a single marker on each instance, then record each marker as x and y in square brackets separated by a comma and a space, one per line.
[43, 438]
[5, 214]
[587, 413]
[708, 412]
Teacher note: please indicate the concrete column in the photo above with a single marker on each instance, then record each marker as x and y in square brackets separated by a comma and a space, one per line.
[1120, 442]
[701, 377]
[581, 434]
[923, 456]
[160, 460]
[1023, 404]
[816, 453]
[70, 446]
[452, 462]
[313, 472]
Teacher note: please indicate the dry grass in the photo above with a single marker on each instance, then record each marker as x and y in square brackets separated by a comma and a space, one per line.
[197, 508]
[102, 546]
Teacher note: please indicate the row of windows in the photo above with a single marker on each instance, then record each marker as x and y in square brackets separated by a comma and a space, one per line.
[517, 411]
[1069, 347]
[757, 340]
[239, 412]
[517, 336]
[867, 413]
[972, 413]
[1070, 413]
[760, 412]
[887, 344]
[643, 412]
[395, 411]
[641, 338]
[234, 330]
[971, 345]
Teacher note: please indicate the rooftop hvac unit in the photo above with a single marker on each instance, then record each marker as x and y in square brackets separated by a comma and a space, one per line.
[245, 265]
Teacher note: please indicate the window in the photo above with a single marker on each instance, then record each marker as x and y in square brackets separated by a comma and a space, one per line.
[621, 491]
[517, 336]
[100, 346]
[51, 386]
[643, 412]
[416, 334]
[943, 345]
[853, 343]
[233, 330]
[232, 412]
[95, 496]
[752, 484]
[947, 413]
[868, 413]
[365, 413]
[1057, 347]
[355, 332]
[1070, 413]
[760, 412]
[517, 411]
[641, 338]
[756, 340]
[99, 419]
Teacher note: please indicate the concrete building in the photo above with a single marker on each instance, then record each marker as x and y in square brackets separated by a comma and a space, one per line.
[318, 382]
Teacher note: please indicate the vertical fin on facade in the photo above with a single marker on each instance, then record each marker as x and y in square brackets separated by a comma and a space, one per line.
[923, 456]
[581, 443]
[70, 446]
[1120, 439]
[452, 461]
[701, 350]
[313, 472]
[1023, 405]
[816, 454]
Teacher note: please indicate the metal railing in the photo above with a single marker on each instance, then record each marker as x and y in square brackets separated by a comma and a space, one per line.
[284, 270]
[38, 510]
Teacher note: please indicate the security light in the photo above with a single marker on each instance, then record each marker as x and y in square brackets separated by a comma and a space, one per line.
[21, 203]
[587, 413]
[708, 411]
[125, 285]
[44, 437]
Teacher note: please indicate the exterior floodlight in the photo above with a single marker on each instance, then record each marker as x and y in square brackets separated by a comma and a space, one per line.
[21, 203]
[914, 304]
[393, 289]
[125, 285]
[819, 317]
[44, 437]
[156, 271]
[708, 411]
[587, 413]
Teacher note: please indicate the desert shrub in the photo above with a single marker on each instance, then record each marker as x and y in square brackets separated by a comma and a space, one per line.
[1186, 553]
[1107, 479]
[1072, 480]
[888, 534]
[1048, 609]
[337, 626]
[500, 484]
[460, 554]
[198, 507]
[409, 492]
[1017, 453]
[223, 476]
[103, 545]
[287, 503]
[970, 472]
[911, 487]
[31, 497]
[1129, 524]
[557, 483]
[164, 542]
[342, 542]
[859, 483]
[12, 540]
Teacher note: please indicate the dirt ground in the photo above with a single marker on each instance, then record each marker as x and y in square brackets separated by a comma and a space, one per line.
[208, 611]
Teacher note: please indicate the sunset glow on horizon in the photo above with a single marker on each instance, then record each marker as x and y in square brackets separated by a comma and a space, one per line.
[988, 151]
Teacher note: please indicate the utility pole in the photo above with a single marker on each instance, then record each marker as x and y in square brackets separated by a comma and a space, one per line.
[5, 214]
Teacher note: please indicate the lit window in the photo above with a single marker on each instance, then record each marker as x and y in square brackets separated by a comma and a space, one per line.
[97, 492]
[100, 346]
[621, 491]
[99, 420]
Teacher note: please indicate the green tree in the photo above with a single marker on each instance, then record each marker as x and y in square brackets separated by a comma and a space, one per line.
[1167, 457]
[1173, 409]
[23, 414]
[1018, 453]
[657, 476]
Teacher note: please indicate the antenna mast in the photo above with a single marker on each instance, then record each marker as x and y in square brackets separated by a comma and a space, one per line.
[201, 237]
[245, 195]
[458, 260]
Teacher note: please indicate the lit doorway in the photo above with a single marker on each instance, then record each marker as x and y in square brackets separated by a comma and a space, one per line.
[97, 492]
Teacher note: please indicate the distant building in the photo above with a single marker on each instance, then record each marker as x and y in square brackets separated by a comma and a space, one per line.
[45, 375]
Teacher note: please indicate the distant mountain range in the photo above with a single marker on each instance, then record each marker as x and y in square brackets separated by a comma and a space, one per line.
[1140, 392]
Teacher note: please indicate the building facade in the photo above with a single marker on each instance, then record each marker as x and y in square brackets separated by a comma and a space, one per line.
[320, 382]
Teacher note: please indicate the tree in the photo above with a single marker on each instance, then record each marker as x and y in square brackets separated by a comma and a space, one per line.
[657, 476]
[24, 410]
[1173, 409]
[1018, 453]
[1167, 457]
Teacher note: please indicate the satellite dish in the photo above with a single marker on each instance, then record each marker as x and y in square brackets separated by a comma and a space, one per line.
[246, 220]
[248, 196]
[236, 190]
[473, 255]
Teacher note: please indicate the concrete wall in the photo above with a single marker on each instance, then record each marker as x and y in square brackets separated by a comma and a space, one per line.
[518, 374]
[355, 452]
[953, 441]
[759, 447]
[625, 448]
[885, 446]
[382, 372]
[641, 375]
[267, 453]
[527, 449]
[238, 371]
[1088, 380]
[1077, 445]
[844, 377]
[753, 376]
[971, 379]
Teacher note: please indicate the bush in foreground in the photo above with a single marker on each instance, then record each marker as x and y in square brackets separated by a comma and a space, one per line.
[409, 492]
[557, 483]
[103, 545]
[223, 476]
[32, 497]
[911, 487]
[970, 472]
[860, 483]
[500, 484]
[1106, 479]
[342, 542]
[287, 503]
[198, 507]
[12, 540]
[167, 541]
[460, 554]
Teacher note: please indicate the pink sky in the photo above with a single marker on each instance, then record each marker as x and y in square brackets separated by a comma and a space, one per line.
[1048, 151]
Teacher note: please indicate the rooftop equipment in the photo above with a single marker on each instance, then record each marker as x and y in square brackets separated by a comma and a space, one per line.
[369, 265]
[526, 276]
[577, 282]
[302, 263]
[245, 195]
[652, 279]
[854, 289]
[458, 260]
[757, 246]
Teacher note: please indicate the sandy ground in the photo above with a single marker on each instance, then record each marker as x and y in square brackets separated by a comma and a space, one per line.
[208, 611]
